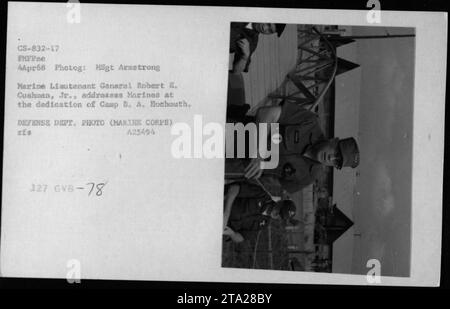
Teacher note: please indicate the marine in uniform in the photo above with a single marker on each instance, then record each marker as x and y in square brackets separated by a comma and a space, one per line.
[244, 40]
[243, 216]
[303, 152]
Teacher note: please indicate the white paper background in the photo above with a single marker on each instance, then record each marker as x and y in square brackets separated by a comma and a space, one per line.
[161, 217]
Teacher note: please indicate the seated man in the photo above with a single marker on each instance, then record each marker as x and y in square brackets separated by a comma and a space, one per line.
[303, 150]
[244, 39]
[245, 215]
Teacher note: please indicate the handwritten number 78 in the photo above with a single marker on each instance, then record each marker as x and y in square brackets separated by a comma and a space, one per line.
[98, 188]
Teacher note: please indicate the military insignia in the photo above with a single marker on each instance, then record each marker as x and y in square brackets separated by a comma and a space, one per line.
[277, 138]
[288, 169]
[356, 161]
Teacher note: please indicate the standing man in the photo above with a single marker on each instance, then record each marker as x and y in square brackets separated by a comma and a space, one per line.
[243, 216]
[303, 151]
[244, 39]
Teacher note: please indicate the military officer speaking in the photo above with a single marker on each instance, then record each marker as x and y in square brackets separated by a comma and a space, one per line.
[303, 151]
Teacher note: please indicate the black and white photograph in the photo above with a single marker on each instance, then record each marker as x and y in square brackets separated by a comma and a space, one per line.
[339, 198]
[222, 145]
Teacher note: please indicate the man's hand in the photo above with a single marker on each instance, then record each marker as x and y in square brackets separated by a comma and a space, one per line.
[253, 169]
[229, 198]
[244, 46]
[243, 56]
[227, 231]
[235, 236]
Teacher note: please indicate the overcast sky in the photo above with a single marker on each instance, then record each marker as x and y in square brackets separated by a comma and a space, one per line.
[381, 206]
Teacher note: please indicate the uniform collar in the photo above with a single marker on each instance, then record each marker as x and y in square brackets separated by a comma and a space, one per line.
[313, 164]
